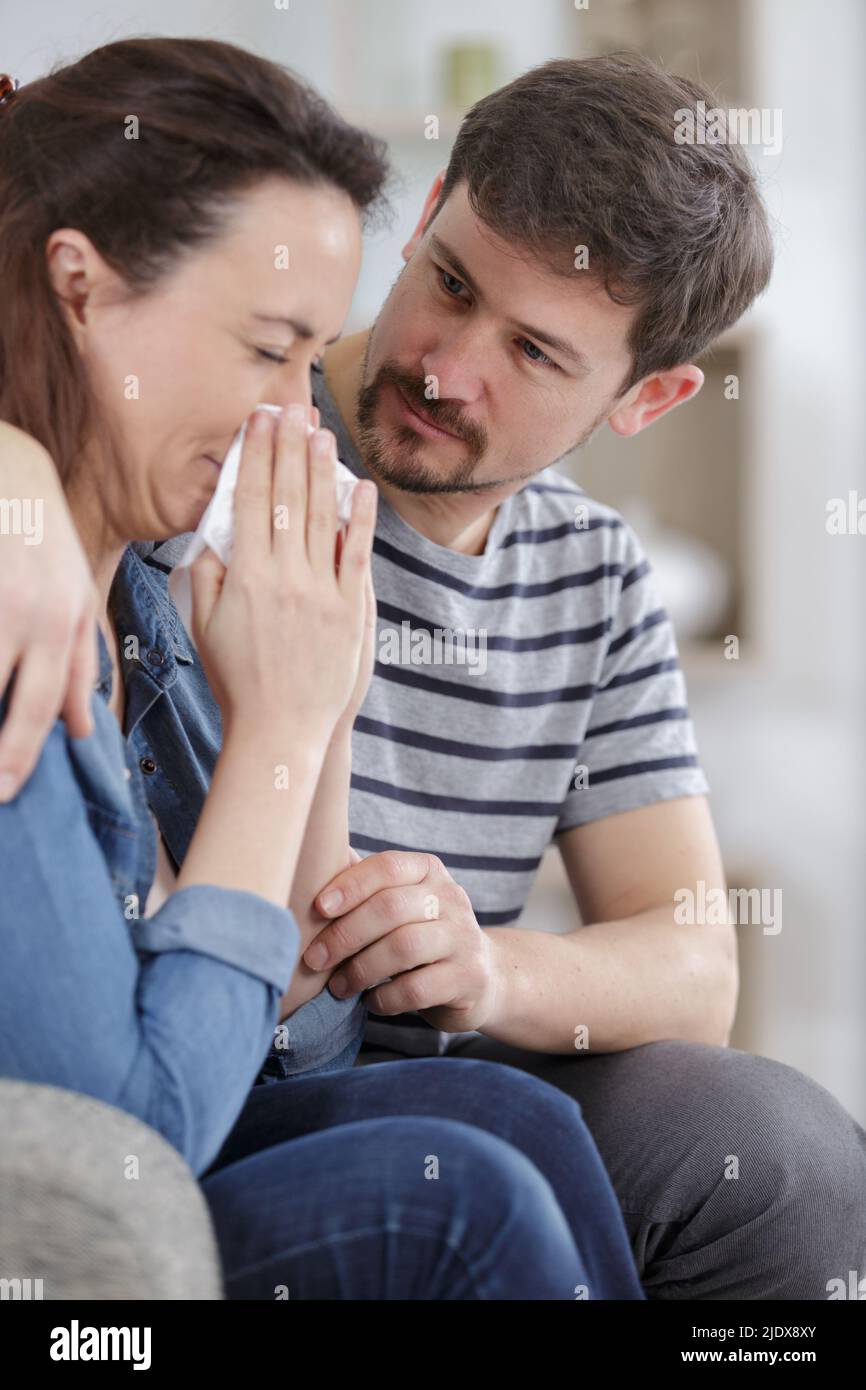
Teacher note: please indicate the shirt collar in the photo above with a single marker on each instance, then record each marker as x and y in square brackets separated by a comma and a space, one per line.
[149, 631]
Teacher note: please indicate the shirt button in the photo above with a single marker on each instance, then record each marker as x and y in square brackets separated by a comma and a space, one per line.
[154, 657]
[148, 766]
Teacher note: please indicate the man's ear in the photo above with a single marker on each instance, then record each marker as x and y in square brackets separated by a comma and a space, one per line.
[654, 397]
[429, 204]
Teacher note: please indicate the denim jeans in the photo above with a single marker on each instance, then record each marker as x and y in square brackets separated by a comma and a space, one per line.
[433, 1178]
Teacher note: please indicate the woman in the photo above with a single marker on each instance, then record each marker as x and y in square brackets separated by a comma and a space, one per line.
[179, 238]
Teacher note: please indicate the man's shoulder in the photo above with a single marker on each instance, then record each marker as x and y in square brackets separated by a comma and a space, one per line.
[554, 503]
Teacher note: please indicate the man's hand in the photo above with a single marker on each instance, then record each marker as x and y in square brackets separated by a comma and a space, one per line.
[48, 610]
[402, 917]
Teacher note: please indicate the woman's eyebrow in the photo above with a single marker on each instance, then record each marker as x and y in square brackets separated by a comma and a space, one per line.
[573, 354]
[302, 329]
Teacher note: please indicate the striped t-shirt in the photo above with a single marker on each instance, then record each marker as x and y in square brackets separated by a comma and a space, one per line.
[551, 696]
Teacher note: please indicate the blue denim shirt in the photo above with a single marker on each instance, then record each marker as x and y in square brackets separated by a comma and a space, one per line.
[94, 996]
[182, 734]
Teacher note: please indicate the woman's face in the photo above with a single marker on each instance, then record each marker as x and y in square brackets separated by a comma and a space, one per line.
[178, 370]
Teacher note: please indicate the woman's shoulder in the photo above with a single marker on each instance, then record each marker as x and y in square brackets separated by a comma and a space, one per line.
[91, 770]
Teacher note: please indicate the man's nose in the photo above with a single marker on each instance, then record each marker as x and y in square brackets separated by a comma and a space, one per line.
[455, 365]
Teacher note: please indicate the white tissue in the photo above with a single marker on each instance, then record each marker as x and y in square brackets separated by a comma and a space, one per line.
[216, 528]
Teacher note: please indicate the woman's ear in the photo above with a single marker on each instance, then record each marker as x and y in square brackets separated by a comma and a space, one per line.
[73, 268]
[654, 397]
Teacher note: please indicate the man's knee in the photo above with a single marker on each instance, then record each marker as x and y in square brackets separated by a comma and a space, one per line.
[759, 1151]
[738, 1176]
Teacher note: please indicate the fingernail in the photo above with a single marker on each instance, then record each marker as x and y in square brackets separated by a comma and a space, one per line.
[329, 902]
[8, 786]
[316, 956]
[297, 416]
[262, 421]
[337, 985]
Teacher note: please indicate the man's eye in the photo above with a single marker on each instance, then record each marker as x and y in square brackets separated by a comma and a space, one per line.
[542, 359]
[453, 286]
[451, 283]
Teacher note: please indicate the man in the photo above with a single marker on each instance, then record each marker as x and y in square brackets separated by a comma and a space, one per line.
[498, 350]
[564, 272]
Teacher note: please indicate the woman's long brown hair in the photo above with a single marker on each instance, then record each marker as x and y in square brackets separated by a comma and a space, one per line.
[142, 145]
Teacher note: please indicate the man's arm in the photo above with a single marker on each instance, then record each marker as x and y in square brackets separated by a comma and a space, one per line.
[633, 975]
[406, 932]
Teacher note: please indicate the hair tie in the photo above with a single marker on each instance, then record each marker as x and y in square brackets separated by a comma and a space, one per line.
[8, 87]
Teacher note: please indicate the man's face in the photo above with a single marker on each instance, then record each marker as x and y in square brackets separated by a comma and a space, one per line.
[512, 366]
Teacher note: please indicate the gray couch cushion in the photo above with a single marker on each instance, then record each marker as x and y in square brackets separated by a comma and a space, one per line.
[74, 1214]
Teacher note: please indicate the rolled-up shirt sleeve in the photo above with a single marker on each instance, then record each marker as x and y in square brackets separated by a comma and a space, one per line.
[168, 1018]
[322, 1031]
[241, 929]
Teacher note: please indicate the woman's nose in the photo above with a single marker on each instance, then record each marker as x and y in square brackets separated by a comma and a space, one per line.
[291, 390]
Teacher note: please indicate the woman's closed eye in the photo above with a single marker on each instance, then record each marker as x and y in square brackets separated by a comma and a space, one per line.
[276, 357]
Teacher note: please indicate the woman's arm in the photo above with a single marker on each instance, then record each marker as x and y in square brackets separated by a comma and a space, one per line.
[282, 638]
[77, 1007]
[81, 1010]
[326, 850]
[48, 631]
[47, 612]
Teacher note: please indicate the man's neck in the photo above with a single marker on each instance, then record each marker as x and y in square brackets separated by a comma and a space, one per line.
[458, 521]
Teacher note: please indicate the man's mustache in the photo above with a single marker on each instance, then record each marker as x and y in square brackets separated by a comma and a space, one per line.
[446, 416]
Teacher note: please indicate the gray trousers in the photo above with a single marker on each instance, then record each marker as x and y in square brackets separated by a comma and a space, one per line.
[738, 1176]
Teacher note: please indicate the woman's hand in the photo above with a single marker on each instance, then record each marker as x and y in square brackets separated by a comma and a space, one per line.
[280, 630]
[280, 634]
[48, 608]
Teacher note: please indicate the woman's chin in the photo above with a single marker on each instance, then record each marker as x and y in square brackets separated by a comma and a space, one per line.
[192, 519]
[197, 501]
[176, 521]
[182, 509]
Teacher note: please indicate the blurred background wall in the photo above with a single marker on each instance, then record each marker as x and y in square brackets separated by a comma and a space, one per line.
[728, 495]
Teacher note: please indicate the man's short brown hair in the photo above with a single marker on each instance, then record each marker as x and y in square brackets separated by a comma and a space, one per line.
[581, 152]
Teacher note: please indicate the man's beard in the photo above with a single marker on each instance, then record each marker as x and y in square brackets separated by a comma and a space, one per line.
[398, 462]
